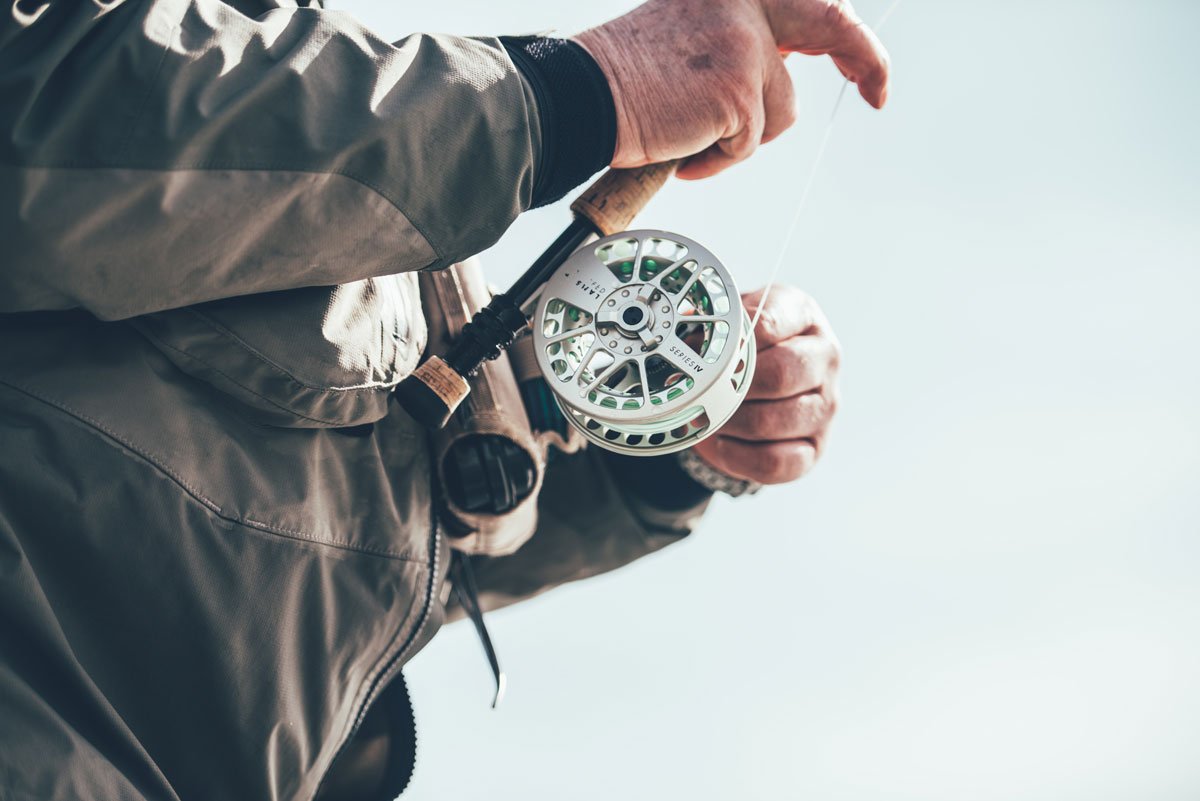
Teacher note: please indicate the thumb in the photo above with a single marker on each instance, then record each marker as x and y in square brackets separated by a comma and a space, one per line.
[829, 27]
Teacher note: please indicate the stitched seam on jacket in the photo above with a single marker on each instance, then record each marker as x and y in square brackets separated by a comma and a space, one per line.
[159, 464]
[219, 166]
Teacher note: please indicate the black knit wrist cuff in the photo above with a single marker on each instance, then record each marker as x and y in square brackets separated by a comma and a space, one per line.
[578, 118]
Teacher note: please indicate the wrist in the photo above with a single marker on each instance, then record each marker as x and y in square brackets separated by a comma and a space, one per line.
[656, 481]
[609, 54]
[713, 479]
[575, 112]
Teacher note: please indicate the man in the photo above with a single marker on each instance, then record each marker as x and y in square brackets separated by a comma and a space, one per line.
[218, 540]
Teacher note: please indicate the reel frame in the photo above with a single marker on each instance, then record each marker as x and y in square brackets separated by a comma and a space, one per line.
[643, 339]
[665, 415]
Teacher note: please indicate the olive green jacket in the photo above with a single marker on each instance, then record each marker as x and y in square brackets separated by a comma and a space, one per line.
[218, 542]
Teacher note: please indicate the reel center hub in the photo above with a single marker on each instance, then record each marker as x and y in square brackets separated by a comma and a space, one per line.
[637, 312]
[643, 340]
[633, 316]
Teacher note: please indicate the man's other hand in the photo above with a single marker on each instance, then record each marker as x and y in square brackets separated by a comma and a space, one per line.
[780, 429]
[705, 78]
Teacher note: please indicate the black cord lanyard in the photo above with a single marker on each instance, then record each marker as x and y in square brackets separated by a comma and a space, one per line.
[463, 578]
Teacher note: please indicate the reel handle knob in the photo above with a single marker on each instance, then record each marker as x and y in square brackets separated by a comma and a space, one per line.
[616, 197]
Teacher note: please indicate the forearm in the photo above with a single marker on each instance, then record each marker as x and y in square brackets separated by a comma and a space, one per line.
[590, 521]
[167, 153]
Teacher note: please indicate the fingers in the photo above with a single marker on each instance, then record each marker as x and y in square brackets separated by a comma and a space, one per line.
[779, 100]
[722, 90]
[789, 312]
[817, 27]
[728, 151]
[865, 63]
[791, 368]
[777, 114]
[780, 429]
[807, 416]
[766, 463]
[717, 157]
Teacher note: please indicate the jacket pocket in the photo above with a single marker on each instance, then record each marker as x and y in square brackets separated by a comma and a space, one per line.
[316, 357]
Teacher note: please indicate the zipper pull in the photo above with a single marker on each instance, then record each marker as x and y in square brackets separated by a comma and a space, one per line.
[462, 578]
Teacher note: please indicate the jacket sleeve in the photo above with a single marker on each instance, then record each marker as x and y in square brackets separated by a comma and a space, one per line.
[162, 153]
[591, 519]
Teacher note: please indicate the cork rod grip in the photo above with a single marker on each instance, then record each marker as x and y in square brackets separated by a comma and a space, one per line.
[617, 196]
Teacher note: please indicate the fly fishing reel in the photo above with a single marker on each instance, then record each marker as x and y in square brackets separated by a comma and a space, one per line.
[640, 335]
[643, 340]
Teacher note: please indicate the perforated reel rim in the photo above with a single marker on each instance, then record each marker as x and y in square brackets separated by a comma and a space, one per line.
[669, 443]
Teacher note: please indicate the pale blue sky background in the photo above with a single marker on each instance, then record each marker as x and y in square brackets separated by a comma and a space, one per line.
[990, 587]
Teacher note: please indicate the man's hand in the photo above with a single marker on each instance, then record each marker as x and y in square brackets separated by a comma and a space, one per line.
[705, 78]
[779, 430]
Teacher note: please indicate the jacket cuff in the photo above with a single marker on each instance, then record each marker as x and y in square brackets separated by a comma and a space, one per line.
[656, 481]
[575, 105]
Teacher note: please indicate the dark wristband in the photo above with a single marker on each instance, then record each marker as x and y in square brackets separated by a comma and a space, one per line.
[575, 104]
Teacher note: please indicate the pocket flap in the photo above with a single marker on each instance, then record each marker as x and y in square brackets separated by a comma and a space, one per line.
[316, 357]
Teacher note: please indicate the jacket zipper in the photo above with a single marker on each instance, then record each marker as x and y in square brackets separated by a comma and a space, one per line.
[397, 660]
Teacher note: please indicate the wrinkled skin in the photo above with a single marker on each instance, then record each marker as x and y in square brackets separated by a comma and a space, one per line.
[780, 430]
[705, 78]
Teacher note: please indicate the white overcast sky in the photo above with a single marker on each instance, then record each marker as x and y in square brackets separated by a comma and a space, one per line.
[989, 588]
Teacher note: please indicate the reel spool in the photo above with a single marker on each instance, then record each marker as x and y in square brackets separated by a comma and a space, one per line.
[644, 342]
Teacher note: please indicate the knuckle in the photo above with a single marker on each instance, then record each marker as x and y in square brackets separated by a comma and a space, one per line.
[744, 145]
[748, 113]
[805, 460]
[782, 466]
[839, 16]
[787, 112]
[768, 323]
[835, 352]
[801, 367]
[832, 403]
[815, 409]
[774, 466]
[768, 377]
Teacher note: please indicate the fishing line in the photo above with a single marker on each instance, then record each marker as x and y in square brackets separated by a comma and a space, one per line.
[773, 276]
[639, 335]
